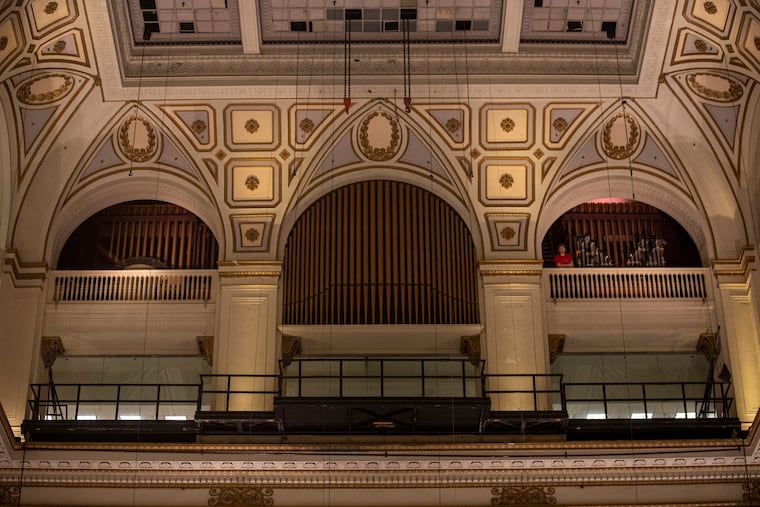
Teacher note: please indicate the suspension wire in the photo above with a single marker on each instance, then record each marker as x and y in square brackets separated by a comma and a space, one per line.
[347, 66]
[407, 65]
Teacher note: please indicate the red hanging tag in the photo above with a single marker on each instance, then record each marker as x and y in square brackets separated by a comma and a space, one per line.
[408, 104]
[347, 103]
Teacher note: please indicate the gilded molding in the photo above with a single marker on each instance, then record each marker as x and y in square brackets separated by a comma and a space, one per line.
[249, 274]
[239, 497]
[511, 272]
[523, 495]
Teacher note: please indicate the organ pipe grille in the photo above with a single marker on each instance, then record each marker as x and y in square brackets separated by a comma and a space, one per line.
[154, 233]
[380, 252]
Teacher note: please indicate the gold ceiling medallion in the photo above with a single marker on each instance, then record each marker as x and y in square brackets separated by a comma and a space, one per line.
[508, 233]
[137, 139]
[306, 125]
[757, 43]
[507, 124]
[252, 235]
[523, 495]
[239, 496]
[45, 89]
[711, 8]
[4, 42]
[373, 128]
[452, 125]
[198, 127]
[715, 87]
[506, 180]
[252, 182]
[630, 131]
[700, 45]
[51, 7]
[252, 126]
[59, 46]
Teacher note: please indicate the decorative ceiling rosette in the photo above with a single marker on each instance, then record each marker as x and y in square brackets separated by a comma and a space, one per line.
[137, 139]
[379, 136]
[620, 136]
[45, 89]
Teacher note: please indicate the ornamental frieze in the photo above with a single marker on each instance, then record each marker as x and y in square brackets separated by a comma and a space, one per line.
[523, 495]
[45, 89]
[240, 497]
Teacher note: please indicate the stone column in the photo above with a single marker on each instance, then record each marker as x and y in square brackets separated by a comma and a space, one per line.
[246, 337]
[514, 333]
[21, 313]
[737, 283]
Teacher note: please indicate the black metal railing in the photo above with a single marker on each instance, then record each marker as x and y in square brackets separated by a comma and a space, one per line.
[235, 392]
[422, 377]
[346, 378]
[648, 400]
[529, 391]
[70, 402]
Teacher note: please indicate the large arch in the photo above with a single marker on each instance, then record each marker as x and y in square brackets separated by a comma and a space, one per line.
[452, 191]
[6, 177]
[116, 189]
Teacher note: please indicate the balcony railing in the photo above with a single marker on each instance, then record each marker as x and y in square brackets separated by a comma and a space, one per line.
[113, 402]
[627, 283]
[132, 285]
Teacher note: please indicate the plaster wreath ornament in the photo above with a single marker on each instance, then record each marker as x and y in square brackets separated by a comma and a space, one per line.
[508, 233]
[129, 130]
[506, 180]
[507, 125]
[252, 235]
[252, 126]
[51, 7]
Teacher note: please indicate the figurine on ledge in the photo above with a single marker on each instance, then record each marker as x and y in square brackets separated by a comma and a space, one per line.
[563, 259]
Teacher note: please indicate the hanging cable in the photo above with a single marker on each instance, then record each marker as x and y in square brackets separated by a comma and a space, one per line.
[407, 64]
[347, 65]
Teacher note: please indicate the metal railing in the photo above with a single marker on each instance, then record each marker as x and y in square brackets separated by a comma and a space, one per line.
[647, 400]
[525, 392]
[153, 402]
[627, 283]
[132, 285]
[422, 377]
[235, 392]
[542, 391]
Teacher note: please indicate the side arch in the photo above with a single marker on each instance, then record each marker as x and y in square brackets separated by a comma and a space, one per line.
[116, 189]
[600, 185]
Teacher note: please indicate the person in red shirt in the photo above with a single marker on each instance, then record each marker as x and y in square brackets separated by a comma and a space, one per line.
[563, 259]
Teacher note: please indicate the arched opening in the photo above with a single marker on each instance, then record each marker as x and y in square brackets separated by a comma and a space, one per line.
[380, 252]
[141, 234]
[622, 233]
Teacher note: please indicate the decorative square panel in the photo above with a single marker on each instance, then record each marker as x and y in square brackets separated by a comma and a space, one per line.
[251, 233]
[508, 231]
[506, 181]
[251, 127]
[252, 183]
[9, 41]
[507, 126]
[47, 13]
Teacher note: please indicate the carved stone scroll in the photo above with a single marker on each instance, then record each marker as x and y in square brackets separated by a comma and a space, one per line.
[470, 347]
[206, 348]
[556, 346]
[709, 345]
[291, 345]
[50, 349]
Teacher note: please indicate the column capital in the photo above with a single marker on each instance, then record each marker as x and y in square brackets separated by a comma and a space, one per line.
[511, 271]
[735, 270]
[249, 272]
